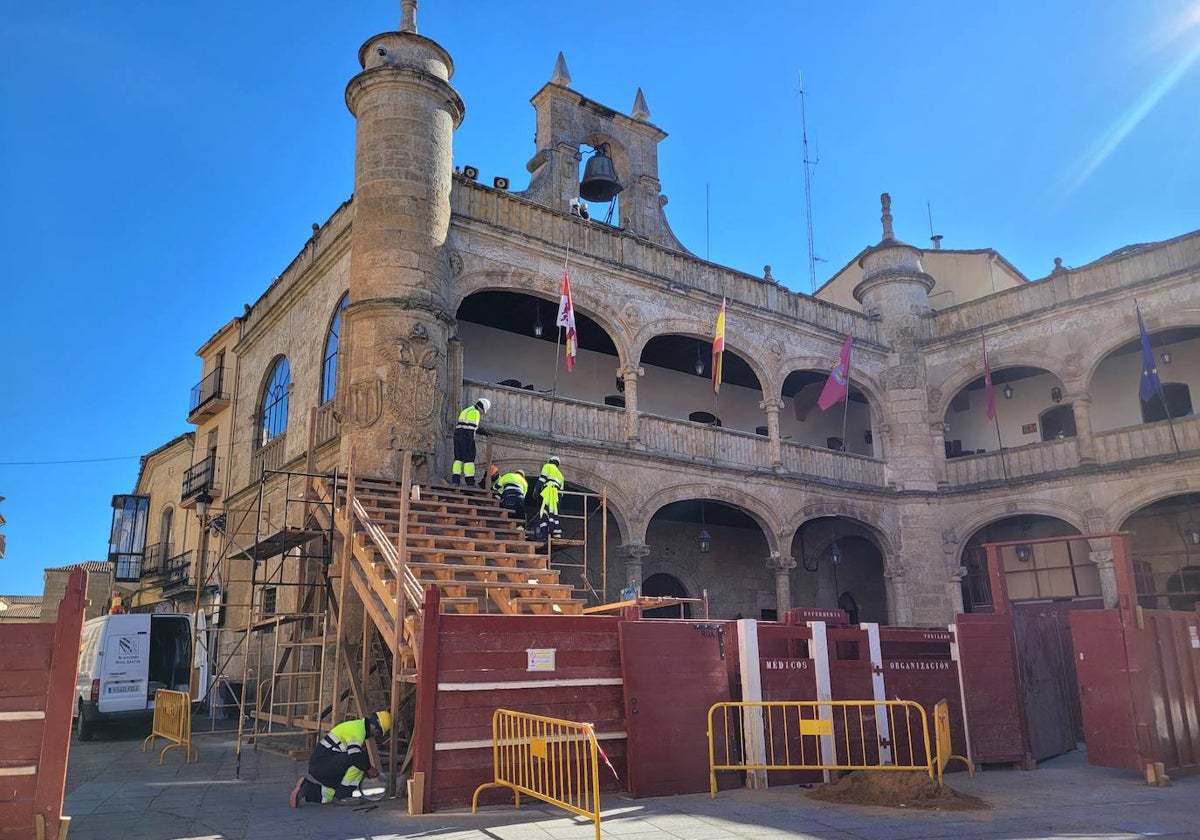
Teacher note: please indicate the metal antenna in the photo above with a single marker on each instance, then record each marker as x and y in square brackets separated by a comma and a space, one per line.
[808, 167]
[929, 210]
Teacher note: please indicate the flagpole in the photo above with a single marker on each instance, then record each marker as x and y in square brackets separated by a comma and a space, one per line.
[1000, 441]
[1170, 423]
[846, 404]
[558, 340]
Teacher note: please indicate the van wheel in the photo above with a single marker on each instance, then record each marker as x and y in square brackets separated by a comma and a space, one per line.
[84, 731]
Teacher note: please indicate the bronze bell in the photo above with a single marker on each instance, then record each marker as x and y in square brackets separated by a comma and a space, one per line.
[599, 178]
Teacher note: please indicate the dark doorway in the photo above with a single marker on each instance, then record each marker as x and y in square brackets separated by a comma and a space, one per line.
[662, 585]
[1178, 403]
[1058, 422]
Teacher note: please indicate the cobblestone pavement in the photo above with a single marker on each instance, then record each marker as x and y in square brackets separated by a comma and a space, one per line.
[116, 792]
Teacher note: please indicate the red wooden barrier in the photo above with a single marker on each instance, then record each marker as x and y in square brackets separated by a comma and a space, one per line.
[37, 693]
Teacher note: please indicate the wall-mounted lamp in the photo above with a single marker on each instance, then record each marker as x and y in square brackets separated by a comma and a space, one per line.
[202, 503]
[1024, 552]
[1008, 391]
[1056, 394]
[1193, 533]
[705, 540]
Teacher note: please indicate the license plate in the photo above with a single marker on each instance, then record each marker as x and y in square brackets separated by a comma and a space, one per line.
[124, 689]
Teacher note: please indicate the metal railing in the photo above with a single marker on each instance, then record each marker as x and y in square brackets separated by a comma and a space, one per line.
[556, 761]
[200, 477]
[890, 735]
[172, 721]
[210, 388]
[155, 559]
[177, 570]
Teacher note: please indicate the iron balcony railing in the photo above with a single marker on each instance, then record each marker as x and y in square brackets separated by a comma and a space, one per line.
[154, 560]
[210, 388]
[177, 572]
[200, 477]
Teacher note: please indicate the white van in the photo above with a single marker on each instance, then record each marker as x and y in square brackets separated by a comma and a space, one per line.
[124, 659]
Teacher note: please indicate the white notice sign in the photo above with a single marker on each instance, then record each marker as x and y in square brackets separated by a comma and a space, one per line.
[1195, 634]
[540, 659]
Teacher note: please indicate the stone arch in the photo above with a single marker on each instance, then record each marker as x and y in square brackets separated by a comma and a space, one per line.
[586, 300]
[888, 540]
[740, 499]
[858, 379]
[941, 395]
[693, 328]
[1160, 321]
[1129, 504]
[982, 517]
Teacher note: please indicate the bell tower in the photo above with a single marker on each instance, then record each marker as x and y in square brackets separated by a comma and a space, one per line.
[397, 325]
[567, 120]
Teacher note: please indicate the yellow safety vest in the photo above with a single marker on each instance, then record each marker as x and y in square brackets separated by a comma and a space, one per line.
[468, 418]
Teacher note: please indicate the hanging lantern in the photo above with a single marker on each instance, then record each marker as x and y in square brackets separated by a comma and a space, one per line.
[705, 541]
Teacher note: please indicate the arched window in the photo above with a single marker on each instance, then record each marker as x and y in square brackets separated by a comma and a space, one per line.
[1176, 398]
[329, 367]
[273, 403]
[1058, 422]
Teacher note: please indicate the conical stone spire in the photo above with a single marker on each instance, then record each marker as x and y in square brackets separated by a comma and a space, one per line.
[641, 111]
[561, 76]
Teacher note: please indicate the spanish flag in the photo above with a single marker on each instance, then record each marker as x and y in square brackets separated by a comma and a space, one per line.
[718, 348]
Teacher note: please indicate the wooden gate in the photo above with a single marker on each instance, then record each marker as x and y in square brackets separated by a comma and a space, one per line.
[1047, 680]
[673, 672]
[37, 694]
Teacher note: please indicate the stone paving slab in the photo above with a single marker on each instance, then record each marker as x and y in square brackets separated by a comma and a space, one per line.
[114, 790]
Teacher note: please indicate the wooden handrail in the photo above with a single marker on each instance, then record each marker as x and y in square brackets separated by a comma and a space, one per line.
[413, 590]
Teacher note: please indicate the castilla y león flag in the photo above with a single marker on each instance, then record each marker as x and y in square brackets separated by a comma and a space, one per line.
[566, 318]
[837, 387]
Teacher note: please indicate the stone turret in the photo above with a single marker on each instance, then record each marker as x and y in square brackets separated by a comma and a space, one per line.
[895, 290]
[397, 326]
[567, 120]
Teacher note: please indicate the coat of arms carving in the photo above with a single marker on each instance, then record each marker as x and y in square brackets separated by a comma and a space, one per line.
[364, 402]
[415, 392]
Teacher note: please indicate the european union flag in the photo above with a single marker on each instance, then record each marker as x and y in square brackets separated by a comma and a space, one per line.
[1151, 384]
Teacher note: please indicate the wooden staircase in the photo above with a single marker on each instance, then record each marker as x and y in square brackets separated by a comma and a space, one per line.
[455, 539]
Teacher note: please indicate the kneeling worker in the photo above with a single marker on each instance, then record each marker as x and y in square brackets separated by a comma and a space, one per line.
[511, 488]
[340, 761]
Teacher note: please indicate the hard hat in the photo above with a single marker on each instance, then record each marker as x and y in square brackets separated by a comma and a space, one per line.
[520, 473]
[384, 719]
[554, 459]
[484, 403]
[495, 469]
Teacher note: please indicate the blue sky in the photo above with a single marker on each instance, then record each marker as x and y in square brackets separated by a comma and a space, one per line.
[162, 162]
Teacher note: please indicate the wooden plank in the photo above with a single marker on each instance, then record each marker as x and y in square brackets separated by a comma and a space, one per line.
[60, 701]
[426, 711]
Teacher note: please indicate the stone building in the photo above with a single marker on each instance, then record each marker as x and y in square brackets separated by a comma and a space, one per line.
[429, 289]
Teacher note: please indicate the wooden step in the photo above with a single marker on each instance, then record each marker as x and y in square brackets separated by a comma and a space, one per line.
[515, 544]
[428, 571]
[546, 606]
[468, 606]
[439, 554]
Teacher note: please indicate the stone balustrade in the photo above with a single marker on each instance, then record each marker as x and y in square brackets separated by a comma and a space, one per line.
[1147, 440]
[842, 467]
[1031, 459]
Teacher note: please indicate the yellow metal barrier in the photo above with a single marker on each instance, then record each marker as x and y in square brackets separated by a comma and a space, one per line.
[941, 730]
[173, 721]
[819, 735]
[552, 760]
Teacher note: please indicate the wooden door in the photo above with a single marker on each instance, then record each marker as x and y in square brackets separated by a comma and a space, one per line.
[1050, 696]
[673, 672]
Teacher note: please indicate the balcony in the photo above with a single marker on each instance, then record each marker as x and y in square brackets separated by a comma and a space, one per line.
[176, 573]
[154, 560]
[200, 478]
[527, 412]
[269, 456]
[209, 397]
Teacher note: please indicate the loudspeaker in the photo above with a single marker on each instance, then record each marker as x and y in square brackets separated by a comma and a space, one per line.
[470, 172]
[500, 182]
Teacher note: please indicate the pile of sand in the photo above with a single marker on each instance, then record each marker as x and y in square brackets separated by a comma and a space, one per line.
[896, 790]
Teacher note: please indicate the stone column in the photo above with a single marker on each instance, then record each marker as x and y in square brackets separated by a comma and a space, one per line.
[899, 606]
[629, 375]
[782, 566]
[633, 555]
[955, 582]
[1081, 404]
[939, 430]
[772, 406]
[1108, 576]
